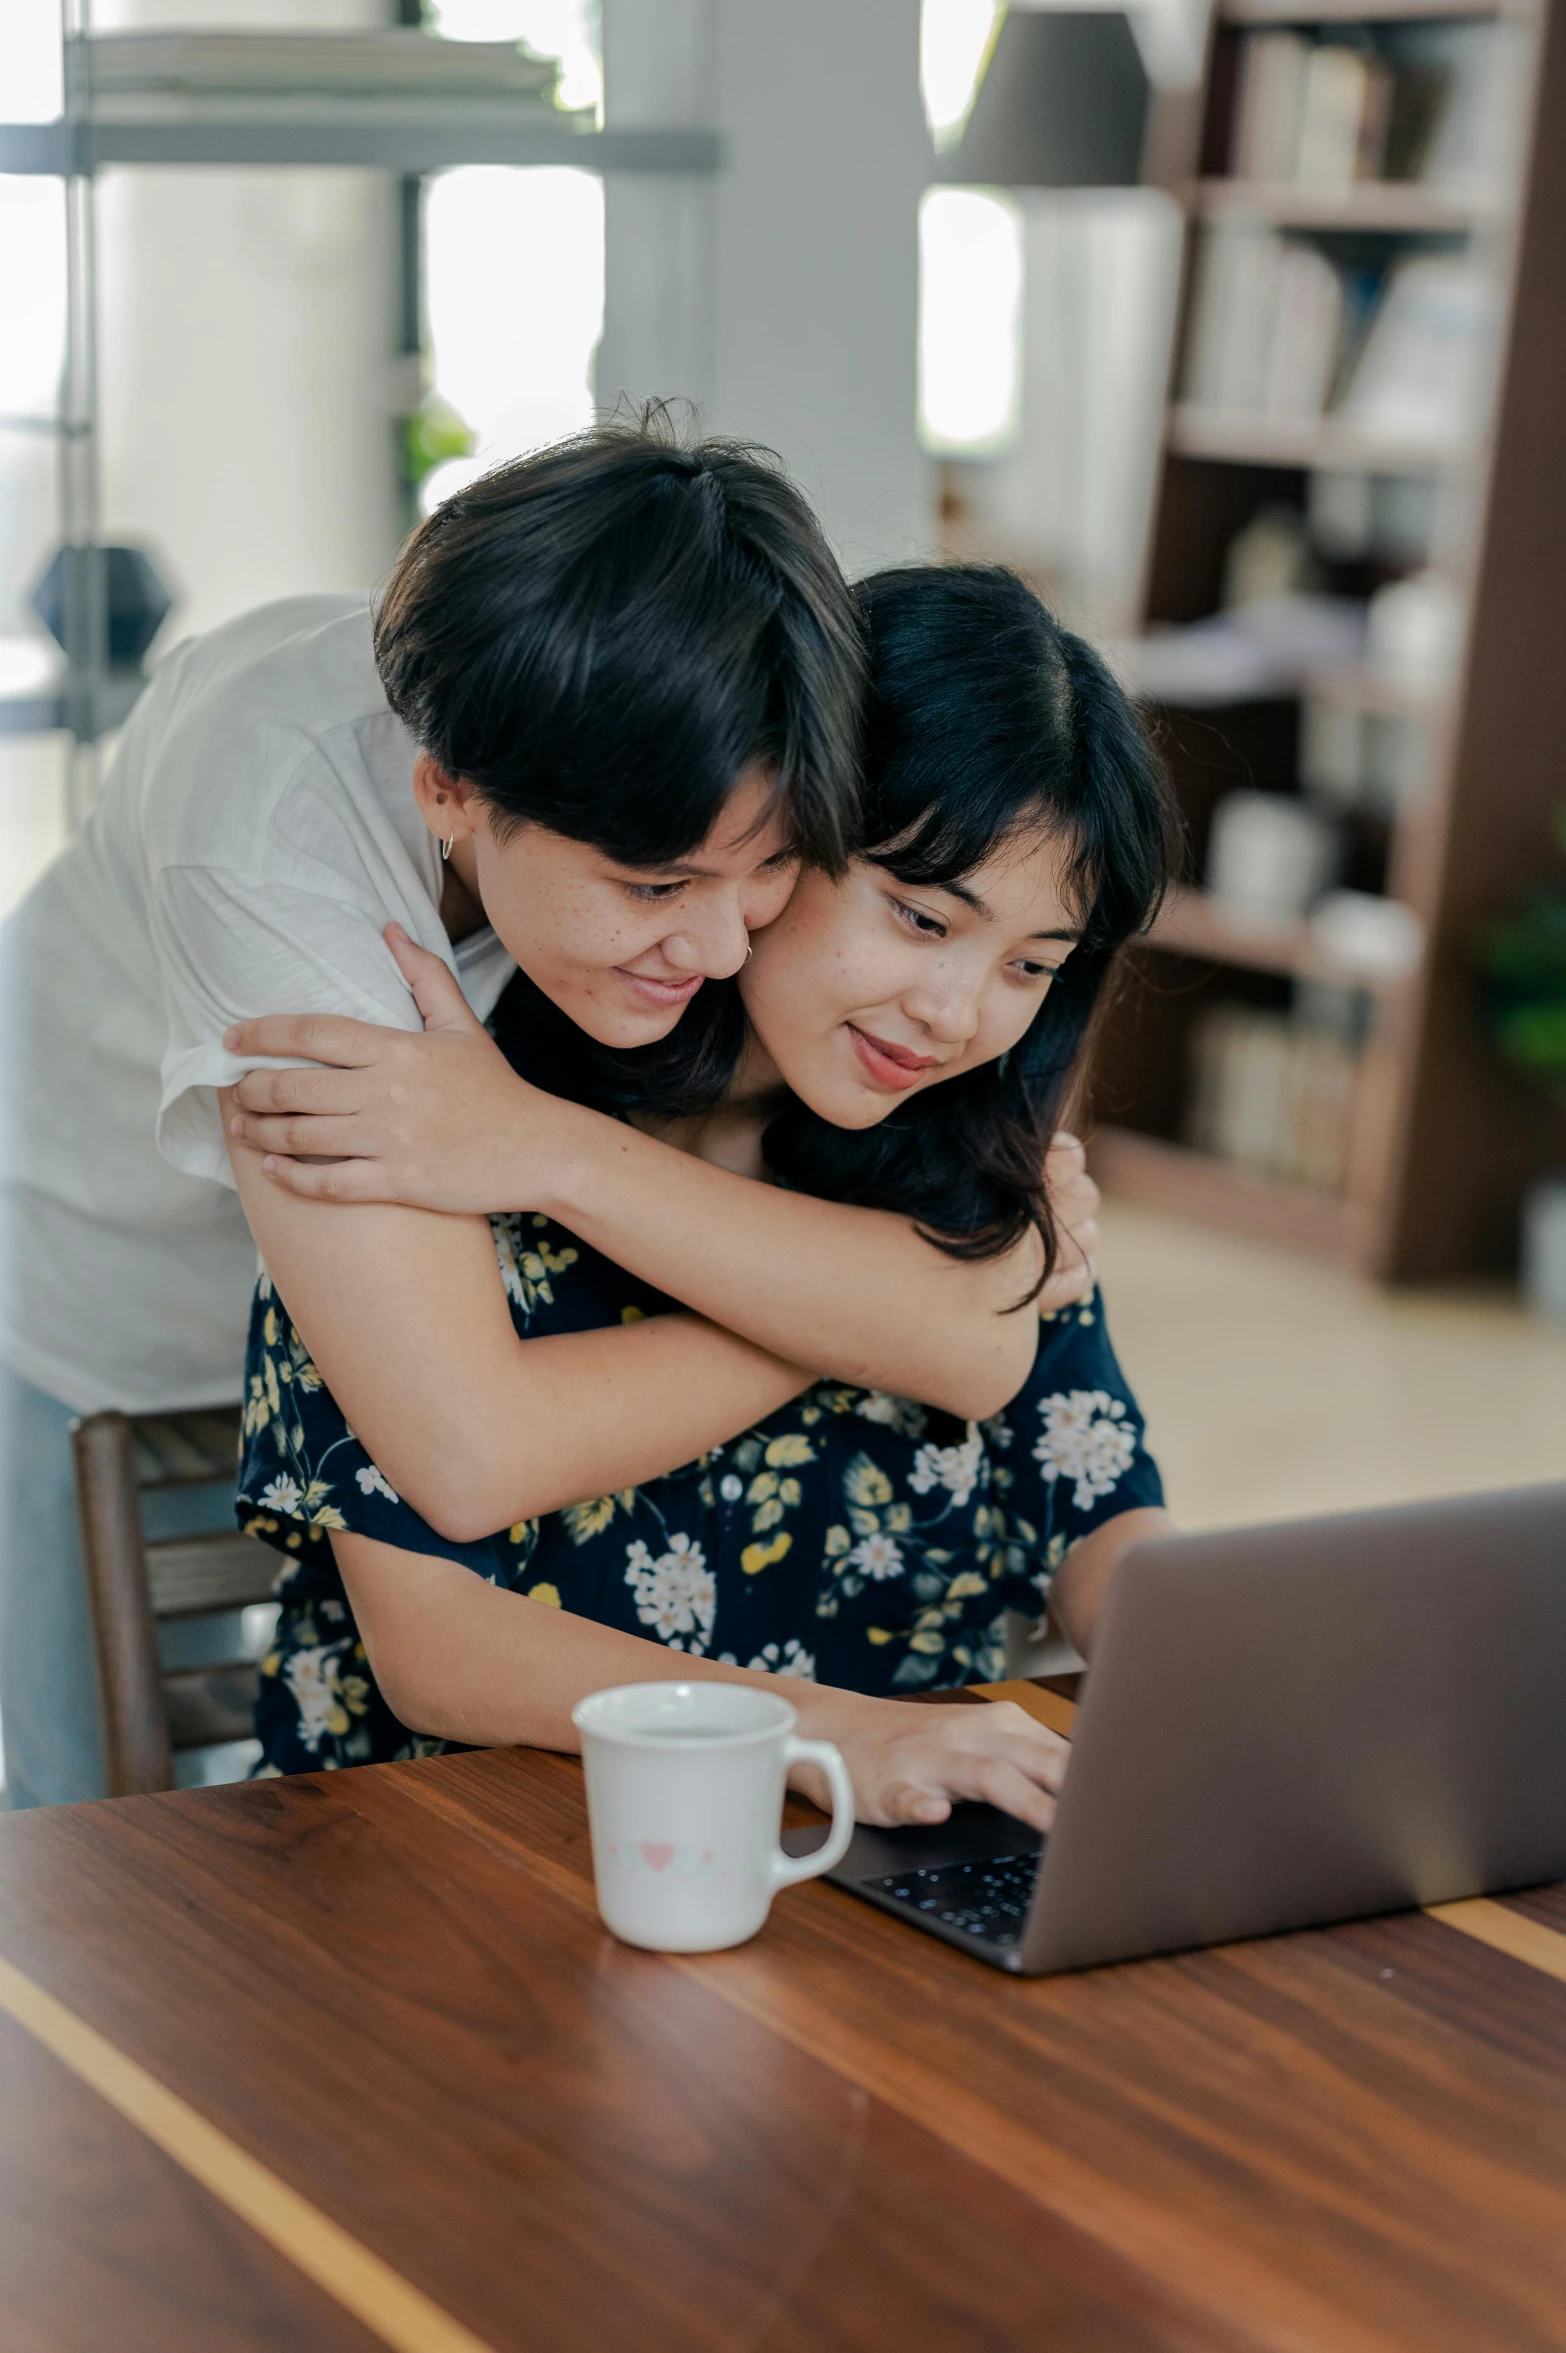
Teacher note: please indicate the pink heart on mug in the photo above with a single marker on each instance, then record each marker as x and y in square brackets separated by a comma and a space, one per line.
[657, 1854]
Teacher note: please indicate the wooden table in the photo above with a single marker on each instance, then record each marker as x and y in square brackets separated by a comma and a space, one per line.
[349, 2061]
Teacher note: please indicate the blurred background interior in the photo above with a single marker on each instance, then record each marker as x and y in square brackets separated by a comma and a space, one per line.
[1239, 335]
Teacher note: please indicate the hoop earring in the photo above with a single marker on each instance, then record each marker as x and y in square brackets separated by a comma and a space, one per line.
[445, 847]
[749, 952]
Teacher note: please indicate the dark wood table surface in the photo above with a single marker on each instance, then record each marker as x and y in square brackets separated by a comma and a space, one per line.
[349, 2061]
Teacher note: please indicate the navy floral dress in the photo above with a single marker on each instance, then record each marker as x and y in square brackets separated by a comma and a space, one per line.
[854, 1537]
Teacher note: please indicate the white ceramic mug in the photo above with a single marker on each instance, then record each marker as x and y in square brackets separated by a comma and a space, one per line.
[685, 1787]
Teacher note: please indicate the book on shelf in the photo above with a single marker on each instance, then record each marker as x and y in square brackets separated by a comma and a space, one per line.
[1279, 331]
[1273, 1094]
[1430, 102]
[1422, 375]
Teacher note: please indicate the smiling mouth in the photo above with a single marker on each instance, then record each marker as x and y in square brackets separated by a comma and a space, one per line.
[661, 993]
[896, 1068]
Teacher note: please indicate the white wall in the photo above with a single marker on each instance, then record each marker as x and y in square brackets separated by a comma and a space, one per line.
[247, 333]
[804, 334]
[1069, 502]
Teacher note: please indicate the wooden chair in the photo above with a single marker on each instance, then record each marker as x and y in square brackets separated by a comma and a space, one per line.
[150, 1714]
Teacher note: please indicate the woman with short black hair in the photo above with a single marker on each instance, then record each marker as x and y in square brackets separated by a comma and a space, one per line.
[647, 654]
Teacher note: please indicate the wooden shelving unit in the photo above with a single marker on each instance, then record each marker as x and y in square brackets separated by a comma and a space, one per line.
[1443, 1141]
[1261, 13]
[1388, 207]
[1303, 444]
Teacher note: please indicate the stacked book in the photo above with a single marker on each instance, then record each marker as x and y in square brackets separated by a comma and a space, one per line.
[1426, 102]
[1272, 1093]
[1282, 332]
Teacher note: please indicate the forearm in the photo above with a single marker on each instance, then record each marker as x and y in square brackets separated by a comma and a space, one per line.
[404, 1316]
[1081, 1586]
[460, 1659]
[563, 1419]
[857, 1293]
[465, 1660]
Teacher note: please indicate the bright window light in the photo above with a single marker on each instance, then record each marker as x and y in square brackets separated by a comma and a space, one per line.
[514, 262]
[30, 60]
[955, 41]
[32, 294]
[554, 28]
[970, 321]
[514, 289]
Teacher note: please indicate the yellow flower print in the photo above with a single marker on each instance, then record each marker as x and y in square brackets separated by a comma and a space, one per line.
[866, 1484]
[269, 1328]
[583, 1521]
[757, 1557]
[549, 1595]
[525, 1272]
[928, 1641]
[838, 1541]
[963, 1588]
[789, 1451]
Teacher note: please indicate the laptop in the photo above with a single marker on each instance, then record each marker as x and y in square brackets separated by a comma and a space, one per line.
[1283, 1726]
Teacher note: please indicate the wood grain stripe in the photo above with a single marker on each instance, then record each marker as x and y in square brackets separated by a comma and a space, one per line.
[348, 2272]
[1476, 1916]
[1047, 1706]
[1509, 1932]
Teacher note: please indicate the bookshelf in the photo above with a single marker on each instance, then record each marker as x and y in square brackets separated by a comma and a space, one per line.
[1438, 1143]
[1397, 207]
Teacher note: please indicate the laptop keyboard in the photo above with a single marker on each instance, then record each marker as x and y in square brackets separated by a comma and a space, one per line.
[988, 1900]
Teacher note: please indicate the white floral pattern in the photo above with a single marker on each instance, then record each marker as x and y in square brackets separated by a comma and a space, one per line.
[855, 1537]
[1088, 1438]
[676, 1593]
[326, 1698]
[791, 1659]
[956, 1468]
[877, 1557]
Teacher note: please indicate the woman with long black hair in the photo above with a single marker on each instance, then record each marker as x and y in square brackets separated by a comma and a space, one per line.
[903, 1039]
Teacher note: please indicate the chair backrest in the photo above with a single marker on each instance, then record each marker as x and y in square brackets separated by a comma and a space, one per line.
[148, 1713]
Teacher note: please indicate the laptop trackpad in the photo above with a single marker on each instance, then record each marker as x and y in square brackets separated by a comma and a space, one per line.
[973, 1834]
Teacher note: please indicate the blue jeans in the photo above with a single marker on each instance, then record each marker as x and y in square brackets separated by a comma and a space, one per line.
[48, 1682]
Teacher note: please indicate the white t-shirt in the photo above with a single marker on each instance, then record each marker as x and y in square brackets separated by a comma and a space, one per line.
[256, 832]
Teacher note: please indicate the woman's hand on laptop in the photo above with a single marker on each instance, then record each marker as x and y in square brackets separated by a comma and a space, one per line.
[432, 1119]
[913, 1764]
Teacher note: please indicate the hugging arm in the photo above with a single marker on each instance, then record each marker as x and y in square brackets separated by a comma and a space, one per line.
[465, 1660]
[441, 1120]
[404, 1314]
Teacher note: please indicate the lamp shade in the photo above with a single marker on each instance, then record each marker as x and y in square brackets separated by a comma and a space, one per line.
[1063, 104]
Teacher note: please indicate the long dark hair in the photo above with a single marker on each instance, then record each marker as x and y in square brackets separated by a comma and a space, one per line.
[986, 720]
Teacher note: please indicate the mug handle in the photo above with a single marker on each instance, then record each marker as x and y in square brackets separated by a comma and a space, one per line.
[788, 1870]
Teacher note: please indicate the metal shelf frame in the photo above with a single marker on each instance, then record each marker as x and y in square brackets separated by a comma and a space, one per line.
[354, 138]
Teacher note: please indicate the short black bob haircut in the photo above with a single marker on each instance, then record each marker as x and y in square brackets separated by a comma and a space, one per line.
[987, 722]
[603, 637]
